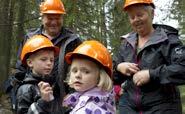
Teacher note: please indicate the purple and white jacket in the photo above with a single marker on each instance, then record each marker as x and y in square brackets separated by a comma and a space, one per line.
[94, 101]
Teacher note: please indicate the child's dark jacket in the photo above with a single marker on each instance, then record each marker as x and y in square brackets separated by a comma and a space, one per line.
[29, 100]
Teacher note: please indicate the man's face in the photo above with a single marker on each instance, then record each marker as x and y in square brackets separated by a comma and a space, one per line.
[52, 24]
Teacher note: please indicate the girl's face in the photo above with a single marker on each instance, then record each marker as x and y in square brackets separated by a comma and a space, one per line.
[41, 62]
[84, 74]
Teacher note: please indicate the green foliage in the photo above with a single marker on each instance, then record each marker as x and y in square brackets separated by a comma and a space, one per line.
[182, 90]
[178, 13]
[97, 19]
[119, 24]
[26, 16]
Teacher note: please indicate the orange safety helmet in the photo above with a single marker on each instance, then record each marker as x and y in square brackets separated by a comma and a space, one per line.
[132, 2]
[34, 44]
[52, 7]
[94, 50]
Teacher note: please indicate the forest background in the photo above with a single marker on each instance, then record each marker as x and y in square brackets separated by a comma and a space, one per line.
[103, 20]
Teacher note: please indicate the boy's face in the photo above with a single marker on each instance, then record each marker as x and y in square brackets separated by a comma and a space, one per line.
[84, 74]
[41, 62]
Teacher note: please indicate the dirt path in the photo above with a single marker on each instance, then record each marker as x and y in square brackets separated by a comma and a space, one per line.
[5, 107]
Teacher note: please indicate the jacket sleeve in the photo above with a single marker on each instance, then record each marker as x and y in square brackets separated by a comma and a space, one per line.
[174, 71]
[118, 77]
[44, 107]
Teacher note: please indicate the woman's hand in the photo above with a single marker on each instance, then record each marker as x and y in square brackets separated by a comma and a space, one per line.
[142, 77]
[127, 68]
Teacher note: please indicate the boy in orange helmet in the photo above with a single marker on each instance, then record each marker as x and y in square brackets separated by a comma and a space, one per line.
[36, 94]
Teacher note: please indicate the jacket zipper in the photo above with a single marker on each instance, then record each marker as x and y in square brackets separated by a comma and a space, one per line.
[138, 100]
[138, 92]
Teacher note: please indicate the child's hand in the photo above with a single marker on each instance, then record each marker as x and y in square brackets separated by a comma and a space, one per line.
[46, 91]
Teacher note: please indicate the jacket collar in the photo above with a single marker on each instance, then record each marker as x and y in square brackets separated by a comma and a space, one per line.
[64, 33]
[33, 78]
[81, 98]
[159, 35]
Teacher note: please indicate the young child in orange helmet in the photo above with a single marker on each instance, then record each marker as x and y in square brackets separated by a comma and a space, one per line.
[90, 75]
[36, 94]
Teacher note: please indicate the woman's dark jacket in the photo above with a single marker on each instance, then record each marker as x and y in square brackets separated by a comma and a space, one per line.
[164, 56]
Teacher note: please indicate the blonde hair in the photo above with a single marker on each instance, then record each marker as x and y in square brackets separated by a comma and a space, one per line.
[104, 82]
[150, 10]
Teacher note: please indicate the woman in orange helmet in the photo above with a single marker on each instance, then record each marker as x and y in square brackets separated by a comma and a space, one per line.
[151, 61]
[90, 75]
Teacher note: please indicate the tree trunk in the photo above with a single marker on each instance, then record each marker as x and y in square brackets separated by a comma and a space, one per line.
[6, 26]
[21, 17]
